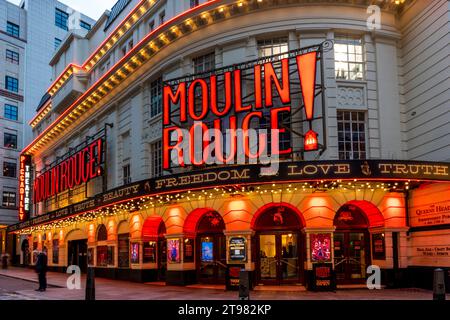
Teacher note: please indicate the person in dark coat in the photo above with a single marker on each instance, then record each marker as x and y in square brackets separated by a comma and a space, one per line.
[41, 269]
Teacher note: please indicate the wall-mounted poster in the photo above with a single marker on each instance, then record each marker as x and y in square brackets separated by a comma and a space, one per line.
[378, 247]
[320, 247]
[323, 277]
[188, 250]
[237, 249]
[173, 251]
[135, 253]
[207, 251]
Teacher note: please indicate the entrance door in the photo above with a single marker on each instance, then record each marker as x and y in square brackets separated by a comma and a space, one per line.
[77, 254]
[350, 256]
[211, 261]
[279, 258]
[162, 259]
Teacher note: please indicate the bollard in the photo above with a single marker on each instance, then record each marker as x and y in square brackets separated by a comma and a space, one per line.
[244, 285]
[5, 262]
[90, 284]
[439, 285]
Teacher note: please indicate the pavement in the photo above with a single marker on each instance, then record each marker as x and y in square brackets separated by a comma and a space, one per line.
[20, 284]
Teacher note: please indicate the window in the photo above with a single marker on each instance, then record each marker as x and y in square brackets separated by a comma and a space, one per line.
[10, 141]
[127, 47]
[270, 47]
[162, 17]
[57, 43]
[61, 19]
[12, 29]
[156, 152]
[102, 256]
[9, 199]
[102, 233]
[194, 3]
[9, 169]
[204, 63]
[11, 84]
[11, 112]
[352, 135]
[85, 25]
[155, 97]
[151, 25]
[349, 59]
[104, 68]
[126, 174]
[12, 56]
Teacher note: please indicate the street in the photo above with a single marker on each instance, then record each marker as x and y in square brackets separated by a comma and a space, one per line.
[14, 287]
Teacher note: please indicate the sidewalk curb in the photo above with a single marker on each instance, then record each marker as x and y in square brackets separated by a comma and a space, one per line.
[29, 280]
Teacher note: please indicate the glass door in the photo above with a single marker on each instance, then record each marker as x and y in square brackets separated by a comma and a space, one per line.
[356, 257]
[350, 259]
[268, 257]
[212, 265]
[77, 252]
[289, 257]
[279, 258]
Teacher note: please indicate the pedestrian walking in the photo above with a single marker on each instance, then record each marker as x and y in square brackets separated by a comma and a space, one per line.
[41, 269]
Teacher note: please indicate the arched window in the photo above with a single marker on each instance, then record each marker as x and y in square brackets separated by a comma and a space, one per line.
[102, 250]
[102, 233]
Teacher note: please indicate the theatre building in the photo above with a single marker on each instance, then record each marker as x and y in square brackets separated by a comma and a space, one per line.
[184, 141]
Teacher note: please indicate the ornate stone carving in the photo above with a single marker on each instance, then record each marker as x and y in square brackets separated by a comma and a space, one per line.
[351, 97]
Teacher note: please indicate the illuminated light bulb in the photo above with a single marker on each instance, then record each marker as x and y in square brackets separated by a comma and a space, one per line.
[310, 141]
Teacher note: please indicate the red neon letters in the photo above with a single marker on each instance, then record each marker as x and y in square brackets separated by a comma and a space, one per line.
[79, 168]
[24, 187]
[197, 100]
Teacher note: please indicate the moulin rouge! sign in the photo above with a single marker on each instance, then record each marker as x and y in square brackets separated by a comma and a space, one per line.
[73, 171]
[197, 110]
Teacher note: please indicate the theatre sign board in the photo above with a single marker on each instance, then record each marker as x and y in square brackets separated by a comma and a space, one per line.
[290, 172]
[437, 213]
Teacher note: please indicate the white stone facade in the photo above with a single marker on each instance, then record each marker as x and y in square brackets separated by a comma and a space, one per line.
[380, 94]
[399, 94]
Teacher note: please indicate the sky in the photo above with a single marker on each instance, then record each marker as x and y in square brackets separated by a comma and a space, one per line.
[91, 8]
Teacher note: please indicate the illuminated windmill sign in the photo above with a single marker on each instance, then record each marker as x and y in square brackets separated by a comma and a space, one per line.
[246, 113]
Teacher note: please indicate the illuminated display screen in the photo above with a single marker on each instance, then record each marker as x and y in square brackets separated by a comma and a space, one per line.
[207, 251]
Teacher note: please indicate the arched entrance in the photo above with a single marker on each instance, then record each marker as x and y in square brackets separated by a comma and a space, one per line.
[279, 244]
[155, 245]
[352, 240]
[77, 249]
[207, 226]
